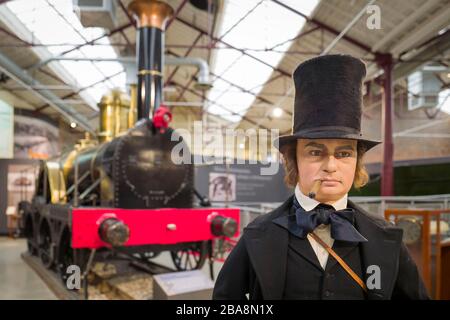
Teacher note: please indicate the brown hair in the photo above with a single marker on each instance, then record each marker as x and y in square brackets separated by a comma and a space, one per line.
[289, 152]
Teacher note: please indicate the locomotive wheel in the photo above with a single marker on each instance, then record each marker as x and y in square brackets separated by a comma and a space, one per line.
[65, 255]
[45, 245]
[29, 234]
[31, 248]
[191, 257]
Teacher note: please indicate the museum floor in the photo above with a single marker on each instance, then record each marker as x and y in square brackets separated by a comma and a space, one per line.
[17, 279]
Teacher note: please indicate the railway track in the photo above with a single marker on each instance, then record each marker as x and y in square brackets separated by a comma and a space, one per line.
[116, 279]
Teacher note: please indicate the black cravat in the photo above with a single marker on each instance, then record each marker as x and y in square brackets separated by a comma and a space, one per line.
[340, 221]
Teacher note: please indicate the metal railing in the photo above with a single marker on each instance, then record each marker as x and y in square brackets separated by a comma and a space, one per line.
[377, 205]
[374, 205]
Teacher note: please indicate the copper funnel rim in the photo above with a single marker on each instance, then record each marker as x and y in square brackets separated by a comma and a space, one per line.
[153, 13]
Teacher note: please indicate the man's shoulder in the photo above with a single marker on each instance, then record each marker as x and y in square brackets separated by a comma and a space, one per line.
[265, 219]
[371, 217]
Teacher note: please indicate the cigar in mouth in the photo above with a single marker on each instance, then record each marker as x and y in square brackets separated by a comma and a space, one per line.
[315, 189]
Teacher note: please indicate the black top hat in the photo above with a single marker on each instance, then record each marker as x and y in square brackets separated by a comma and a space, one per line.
[328, 100]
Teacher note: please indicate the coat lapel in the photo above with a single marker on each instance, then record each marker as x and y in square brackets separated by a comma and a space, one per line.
[342, 248]
[381, 250]
[303, 247]
[300, 245]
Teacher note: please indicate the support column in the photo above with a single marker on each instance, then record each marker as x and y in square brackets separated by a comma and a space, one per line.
[387, 171]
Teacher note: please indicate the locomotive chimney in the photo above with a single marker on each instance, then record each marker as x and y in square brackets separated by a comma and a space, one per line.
[151, 17]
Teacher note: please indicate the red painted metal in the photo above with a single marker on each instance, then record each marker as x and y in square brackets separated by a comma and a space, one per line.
[147, 226]
[162, 118]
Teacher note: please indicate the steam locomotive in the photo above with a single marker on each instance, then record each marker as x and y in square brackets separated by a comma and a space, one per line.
[123, 191]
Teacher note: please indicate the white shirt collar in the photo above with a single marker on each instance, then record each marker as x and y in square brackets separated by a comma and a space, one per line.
[308, 204]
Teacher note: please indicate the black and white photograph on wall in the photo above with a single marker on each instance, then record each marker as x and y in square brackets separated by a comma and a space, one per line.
[34, 138]
[222, 187]
[21, 187]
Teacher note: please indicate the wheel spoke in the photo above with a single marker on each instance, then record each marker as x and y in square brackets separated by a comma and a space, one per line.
[189, 259]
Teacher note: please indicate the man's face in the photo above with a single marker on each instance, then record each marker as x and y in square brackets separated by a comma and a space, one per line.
[332, 161]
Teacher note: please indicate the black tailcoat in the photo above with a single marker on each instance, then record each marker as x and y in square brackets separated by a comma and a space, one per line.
[263, 263]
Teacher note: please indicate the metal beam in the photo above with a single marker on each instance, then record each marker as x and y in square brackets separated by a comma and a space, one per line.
[211, 45]
[342, 34]
[230, 83]
[441, 45]
[426, 125]
[169, 78]
[387, 115]
[185, 88]
[176, 13]
[82, 89]
[425, 31]
[125, 11]
[405, 24]
[326, 27]
[119, 29]
[249, 92]
[12, 35]
[15, 72]
[405, 67]
[285, 73]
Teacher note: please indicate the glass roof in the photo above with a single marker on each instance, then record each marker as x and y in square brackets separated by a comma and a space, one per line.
[254, 26]
[261, 25]
[53, 22]
[444, 100]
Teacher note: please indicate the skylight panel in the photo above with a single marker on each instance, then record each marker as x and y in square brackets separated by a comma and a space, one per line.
[119, 80]
[444, 100]
[232, 118]
[247, 73]
[218, 110]
[109, 68]
[227, 58]
[97, 91]
[236, 101]
[264, 34]
[22, 7]
[54, 22]
[234, 10]
[84, 71]
[220, 87]
[67, 11]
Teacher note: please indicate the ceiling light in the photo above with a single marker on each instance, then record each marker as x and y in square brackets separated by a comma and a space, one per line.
[277, 112]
